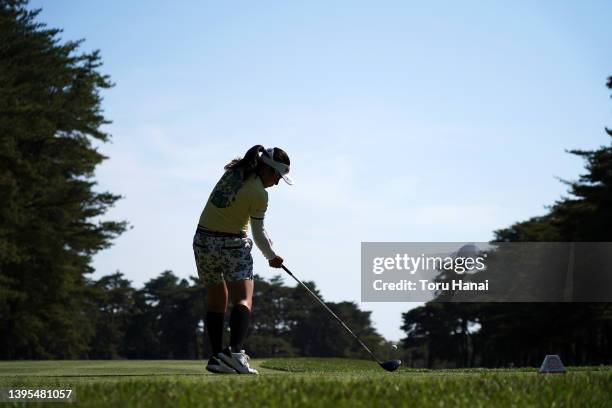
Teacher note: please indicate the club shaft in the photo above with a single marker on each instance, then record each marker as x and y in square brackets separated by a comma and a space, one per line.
[332, 313]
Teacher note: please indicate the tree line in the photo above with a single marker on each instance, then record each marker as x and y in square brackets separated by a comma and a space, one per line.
[164, 320]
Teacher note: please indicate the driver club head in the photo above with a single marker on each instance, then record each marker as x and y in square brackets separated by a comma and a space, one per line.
[391, 365]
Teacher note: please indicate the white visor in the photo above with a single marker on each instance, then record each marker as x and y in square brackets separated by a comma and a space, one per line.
[281, 168]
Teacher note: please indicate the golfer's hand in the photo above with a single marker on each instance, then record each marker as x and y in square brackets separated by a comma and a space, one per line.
[276, 262]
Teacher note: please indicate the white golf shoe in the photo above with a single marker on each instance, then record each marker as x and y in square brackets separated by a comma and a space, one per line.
[217, 366]
[237, 361]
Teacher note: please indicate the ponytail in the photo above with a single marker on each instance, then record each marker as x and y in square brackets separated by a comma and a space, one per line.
[248, 163]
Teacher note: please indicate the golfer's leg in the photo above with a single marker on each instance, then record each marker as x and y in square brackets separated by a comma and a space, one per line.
[215, 315]
[241, 295]
[241, 292]
[217, 298]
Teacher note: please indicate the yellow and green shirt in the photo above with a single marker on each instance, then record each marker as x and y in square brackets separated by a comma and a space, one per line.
[233, 201]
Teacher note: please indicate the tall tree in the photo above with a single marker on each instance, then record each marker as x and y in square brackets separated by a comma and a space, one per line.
[50, 227]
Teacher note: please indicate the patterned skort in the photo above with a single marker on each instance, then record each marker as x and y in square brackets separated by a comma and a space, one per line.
[222, 258]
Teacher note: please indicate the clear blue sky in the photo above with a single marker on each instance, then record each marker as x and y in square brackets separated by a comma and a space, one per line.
[405, 121]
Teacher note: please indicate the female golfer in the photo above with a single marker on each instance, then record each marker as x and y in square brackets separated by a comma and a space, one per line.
[223, 251]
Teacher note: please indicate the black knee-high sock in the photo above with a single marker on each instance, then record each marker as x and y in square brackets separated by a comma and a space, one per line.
[239, 325]
[214, 327]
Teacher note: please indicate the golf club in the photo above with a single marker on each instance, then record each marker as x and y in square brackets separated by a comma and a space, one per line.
[390, 365]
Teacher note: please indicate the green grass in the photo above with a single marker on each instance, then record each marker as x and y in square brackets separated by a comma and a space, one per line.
[306, 382]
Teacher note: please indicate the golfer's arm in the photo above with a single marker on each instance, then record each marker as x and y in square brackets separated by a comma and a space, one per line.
[261, 238]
